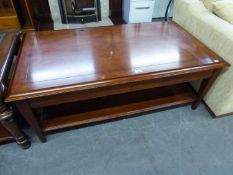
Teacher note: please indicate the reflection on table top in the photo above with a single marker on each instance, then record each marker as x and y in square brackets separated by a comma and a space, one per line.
[54, 59]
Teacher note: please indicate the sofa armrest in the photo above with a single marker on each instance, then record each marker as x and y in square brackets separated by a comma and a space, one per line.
[217, 34]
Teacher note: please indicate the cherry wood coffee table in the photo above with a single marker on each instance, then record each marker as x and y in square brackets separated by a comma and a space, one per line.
[90, 75]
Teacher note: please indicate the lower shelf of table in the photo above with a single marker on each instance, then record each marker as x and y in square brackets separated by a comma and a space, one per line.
[5, 136]
[115, 106]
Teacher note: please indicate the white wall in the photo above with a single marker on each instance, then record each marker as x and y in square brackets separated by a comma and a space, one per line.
[104, 8]
[160, 8]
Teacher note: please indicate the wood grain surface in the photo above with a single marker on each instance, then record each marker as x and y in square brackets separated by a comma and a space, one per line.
[55, 62]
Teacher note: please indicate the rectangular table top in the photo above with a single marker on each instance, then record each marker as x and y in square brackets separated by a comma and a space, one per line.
[52, 62]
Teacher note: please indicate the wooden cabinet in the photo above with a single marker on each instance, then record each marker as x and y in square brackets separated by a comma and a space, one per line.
[42, 13]
[25, 14]
[8, 15]
[16, 14]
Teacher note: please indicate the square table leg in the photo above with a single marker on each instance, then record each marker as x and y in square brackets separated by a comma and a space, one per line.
[204, 87]
[26, 111]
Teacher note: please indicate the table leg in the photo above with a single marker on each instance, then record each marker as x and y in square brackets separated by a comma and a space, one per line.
[205, 86]
[26, 111]
[7, 121]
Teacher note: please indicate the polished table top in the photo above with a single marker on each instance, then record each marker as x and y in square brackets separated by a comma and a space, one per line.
[53, 62]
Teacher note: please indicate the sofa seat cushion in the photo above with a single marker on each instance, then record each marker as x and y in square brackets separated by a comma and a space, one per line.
[224, 9]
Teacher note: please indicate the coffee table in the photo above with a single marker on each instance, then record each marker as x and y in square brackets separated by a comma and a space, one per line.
[90, 75]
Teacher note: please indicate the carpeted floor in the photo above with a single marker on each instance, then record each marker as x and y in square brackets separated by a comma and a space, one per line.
[173, 142]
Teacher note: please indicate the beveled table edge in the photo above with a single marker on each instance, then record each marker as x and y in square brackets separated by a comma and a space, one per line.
[110, 82]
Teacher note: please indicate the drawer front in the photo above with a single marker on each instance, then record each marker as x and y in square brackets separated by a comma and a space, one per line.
[141, 11]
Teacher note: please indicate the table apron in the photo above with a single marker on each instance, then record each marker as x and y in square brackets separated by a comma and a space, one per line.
[116, 89]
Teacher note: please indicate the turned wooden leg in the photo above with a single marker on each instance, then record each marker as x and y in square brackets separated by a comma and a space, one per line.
[26, 111]
[205, 86]
[7, 121]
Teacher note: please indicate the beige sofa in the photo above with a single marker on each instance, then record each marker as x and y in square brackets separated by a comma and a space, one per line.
[217, 34]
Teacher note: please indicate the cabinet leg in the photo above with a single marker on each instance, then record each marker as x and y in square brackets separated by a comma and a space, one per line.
[26, 111]
[7, 121]
[205, 86]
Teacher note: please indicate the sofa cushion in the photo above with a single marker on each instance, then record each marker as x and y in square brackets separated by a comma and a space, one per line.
[209, 4]
[224, 9]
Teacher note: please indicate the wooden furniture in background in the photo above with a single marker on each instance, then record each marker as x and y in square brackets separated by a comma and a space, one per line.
[136, 68]
[115, 10]
[79, 11]
[42, 14]
[16, 14]
[8, 15]
[9, 129]
[25, 14]
[36, 14]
